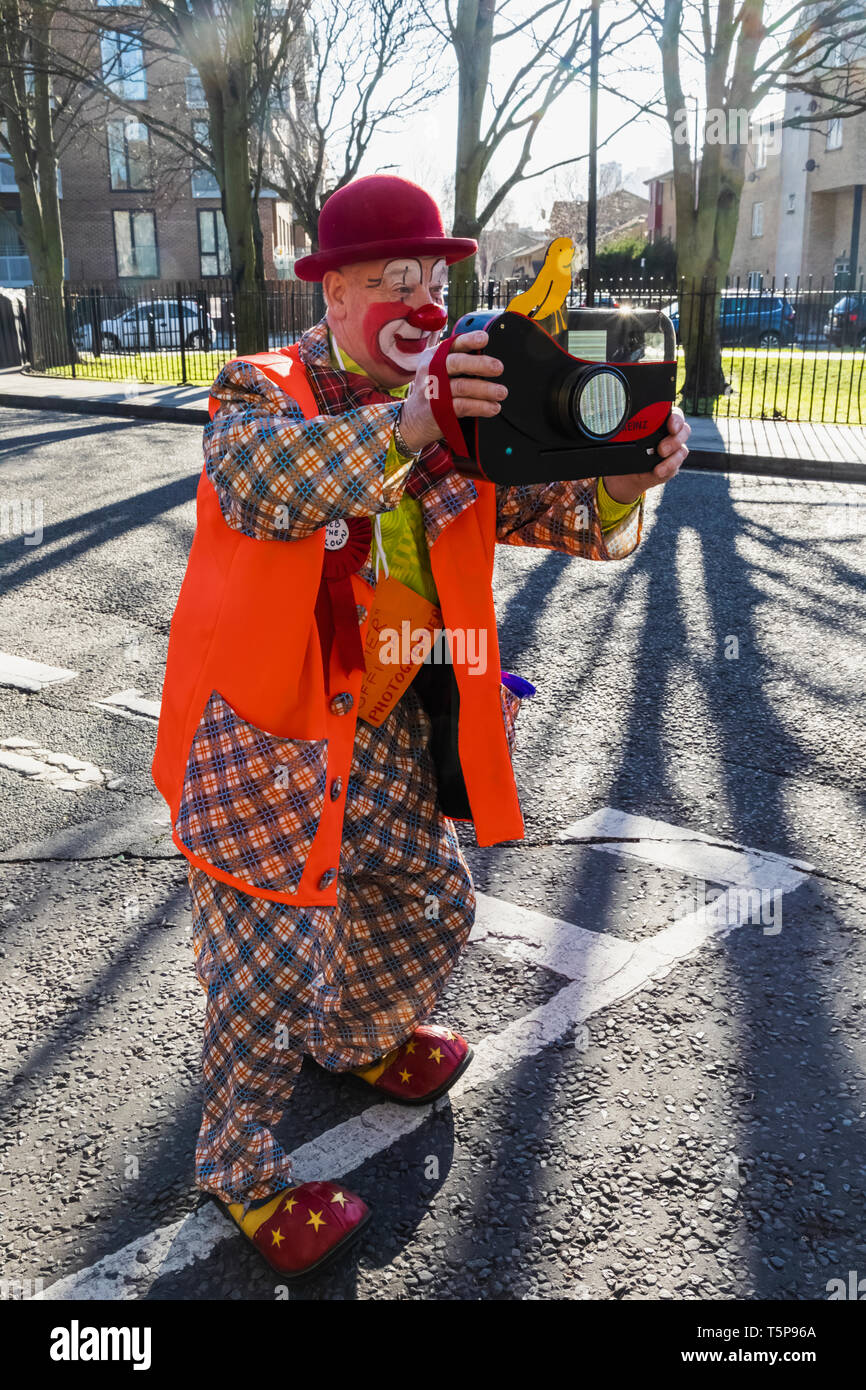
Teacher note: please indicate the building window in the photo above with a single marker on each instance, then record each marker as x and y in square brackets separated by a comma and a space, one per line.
[123, 64]
[755, 280]
[135, 245]
[834, 134]
[213, 243]
[195, 96]
[14, 261]
[285, 230]
[792, 202]
[204, 183]
[116, 4]
[757, 219]
[761, 151]
[129, 154]
[839, 56]
[8, 183]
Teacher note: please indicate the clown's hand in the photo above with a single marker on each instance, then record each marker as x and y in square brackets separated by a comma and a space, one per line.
[472, 392]
[673, 451]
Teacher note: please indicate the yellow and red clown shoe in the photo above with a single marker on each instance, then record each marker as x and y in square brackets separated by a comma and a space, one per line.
[422, 1069]
[302, 1228]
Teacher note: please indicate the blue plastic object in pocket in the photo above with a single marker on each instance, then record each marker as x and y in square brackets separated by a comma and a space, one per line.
[517, 685]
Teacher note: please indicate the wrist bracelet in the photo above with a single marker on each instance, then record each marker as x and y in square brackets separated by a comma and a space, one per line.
[402, 446]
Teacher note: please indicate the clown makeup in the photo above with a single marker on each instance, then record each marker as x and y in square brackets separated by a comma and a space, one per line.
[389, 312]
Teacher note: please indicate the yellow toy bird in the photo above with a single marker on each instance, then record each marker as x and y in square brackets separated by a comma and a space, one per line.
[550, 289]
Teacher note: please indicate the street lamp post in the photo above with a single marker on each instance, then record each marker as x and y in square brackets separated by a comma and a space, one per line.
[592, 189]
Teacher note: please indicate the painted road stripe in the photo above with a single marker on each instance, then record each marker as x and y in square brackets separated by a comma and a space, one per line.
[31, 675]
[533, 939]
[129, 703]
[602, 970]
[672, 847]
[60, 770]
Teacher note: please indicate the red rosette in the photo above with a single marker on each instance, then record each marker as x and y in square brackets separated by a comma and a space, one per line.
[347, 545]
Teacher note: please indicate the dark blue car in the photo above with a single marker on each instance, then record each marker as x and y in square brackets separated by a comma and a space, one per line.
[846, 323]
[749, 318]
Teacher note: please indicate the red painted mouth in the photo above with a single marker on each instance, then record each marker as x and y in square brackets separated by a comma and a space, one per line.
[410, 344]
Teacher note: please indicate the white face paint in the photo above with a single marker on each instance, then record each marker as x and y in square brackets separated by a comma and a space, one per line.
[398, 341]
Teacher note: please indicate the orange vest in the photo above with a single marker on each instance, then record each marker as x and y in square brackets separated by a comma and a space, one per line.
[245, 627]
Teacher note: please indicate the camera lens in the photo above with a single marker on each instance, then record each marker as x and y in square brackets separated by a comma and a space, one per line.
[600, 404]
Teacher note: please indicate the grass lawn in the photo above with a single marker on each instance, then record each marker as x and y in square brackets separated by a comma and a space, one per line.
[825, 387]
[149, 368]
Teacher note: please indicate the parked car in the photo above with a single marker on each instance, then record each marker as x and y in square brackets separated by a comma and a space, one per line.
[154, 323]
[846, 322]
[748, 318]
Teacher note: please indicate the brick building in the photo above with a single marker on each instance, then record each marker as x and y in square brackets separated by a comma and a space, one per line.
[133, 207]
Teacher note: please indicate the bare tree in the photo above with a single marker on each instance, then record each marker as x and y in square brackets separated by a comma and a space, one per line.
[36, 112]
[360, 71]
[500, 236]
[745, 53]
[40, 113]
[239, 48]
[498, 123]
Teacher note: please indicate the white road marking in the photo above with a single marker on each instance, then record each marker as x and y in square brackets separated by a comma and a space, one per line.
[672, 847]
[30, 675]
[61, 770]
[601, 970]
[128, 703]
[533, 939]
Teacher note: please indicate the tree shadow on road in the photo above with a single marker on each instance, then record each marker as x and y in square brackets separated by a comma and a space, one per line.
[748, 736]
[69, 540]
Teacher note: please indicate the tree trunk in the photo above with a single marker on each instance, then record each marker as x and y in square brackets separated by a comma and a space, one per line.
[30, 133]
[473, 41]
[251, 328]
[707, 214]
[703, 258]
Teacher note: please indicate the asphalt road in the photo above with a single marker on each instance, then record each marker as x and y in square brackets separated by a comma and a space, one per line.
[689, 1124]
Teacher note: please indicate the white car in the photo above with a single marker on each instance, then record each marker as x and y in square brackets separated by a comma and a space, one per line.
[151, 325]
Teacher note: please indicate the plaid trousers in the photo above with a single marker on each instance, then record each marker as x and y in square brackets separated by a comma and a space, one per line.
[342, 985]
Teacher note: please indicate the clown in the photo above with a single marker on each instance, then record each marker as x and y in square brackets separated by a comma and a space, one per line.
[313, 788]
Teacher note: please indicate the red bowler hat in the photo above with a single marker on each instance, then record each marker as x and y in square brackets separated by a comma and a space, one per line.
[379, 215]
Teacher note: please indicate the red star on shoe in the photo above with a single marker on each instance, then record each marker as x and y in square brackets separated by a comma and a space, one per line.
[302, 1228]
[421, 1069]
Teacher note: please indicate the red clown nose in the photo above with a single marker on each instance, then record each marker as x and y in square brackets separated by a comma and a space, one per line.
[429, 317]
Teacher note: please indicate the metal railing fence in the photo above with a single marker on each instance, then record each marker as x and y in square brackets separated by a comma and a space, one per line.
[790, 352]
